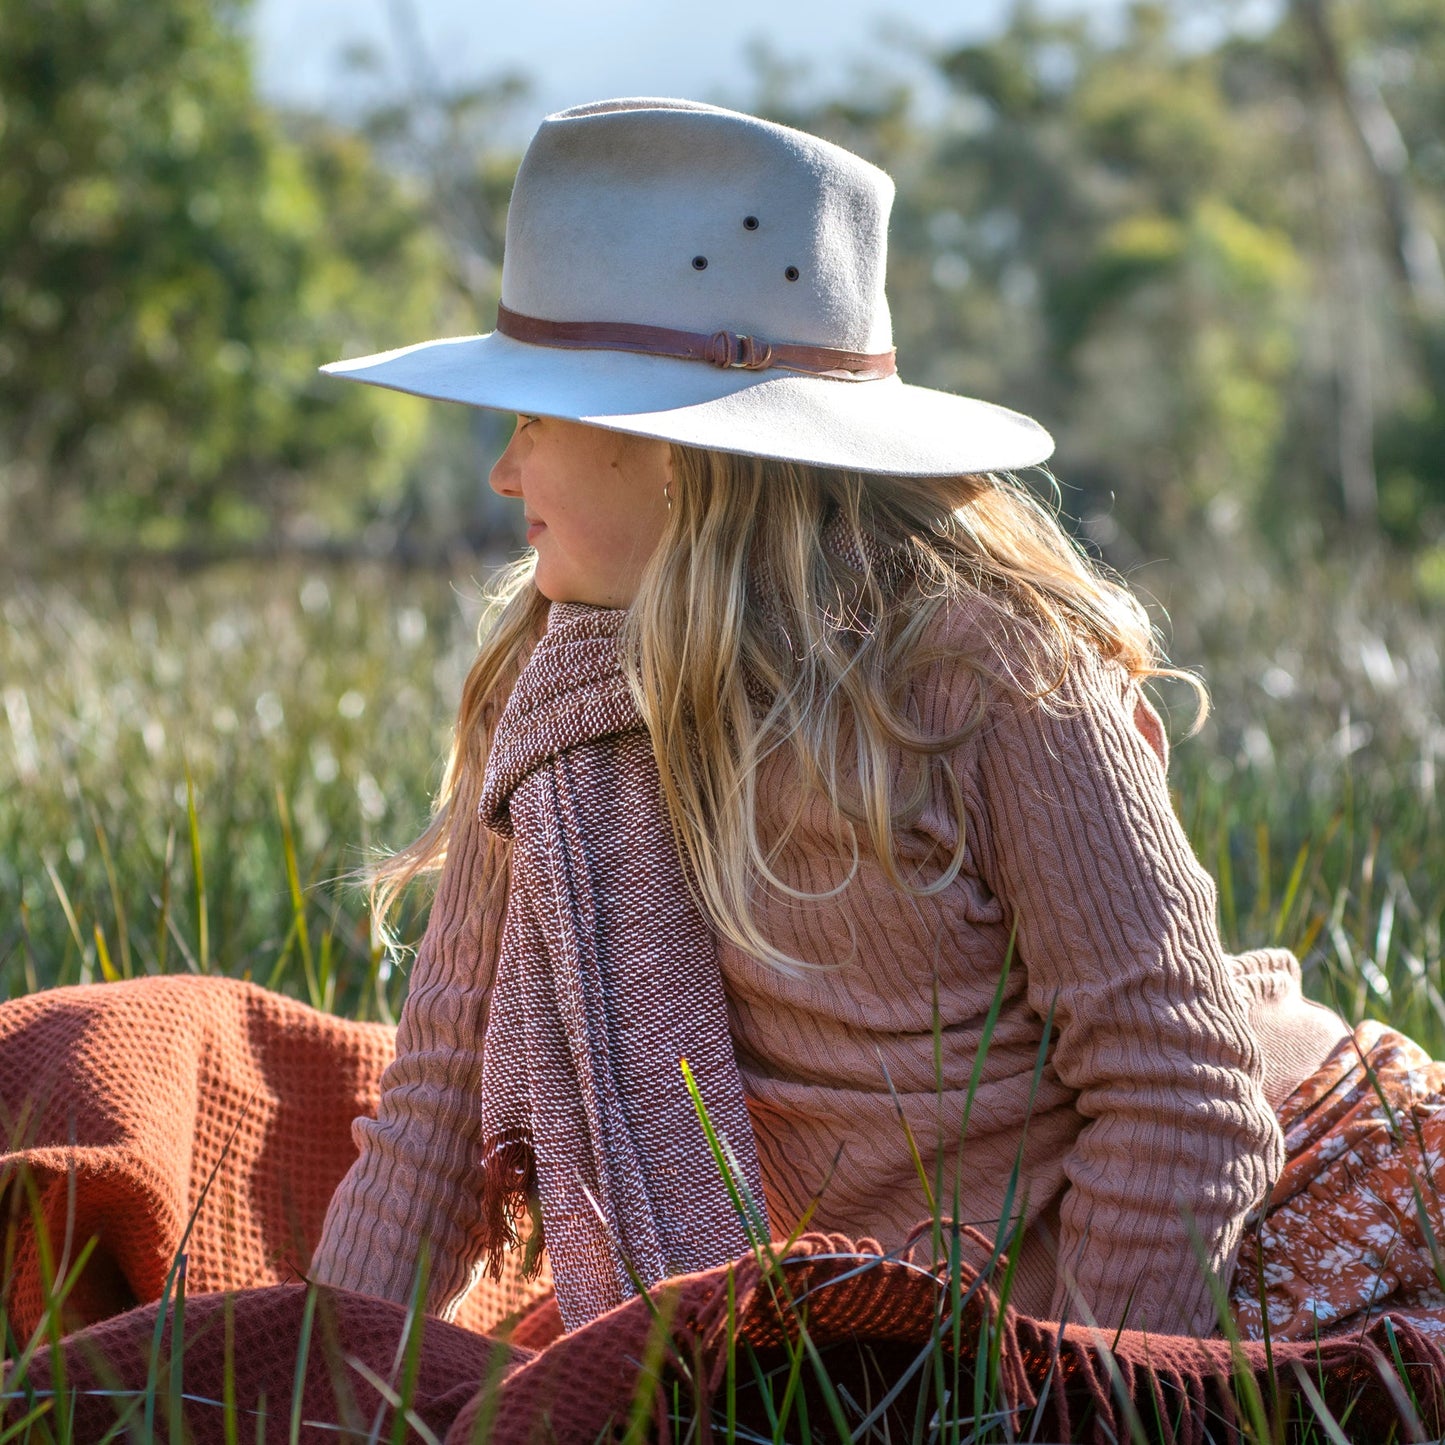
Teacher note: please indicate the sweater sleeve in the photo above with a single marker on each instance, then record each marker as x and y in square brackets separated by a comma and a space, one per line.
[1116, 927]
[417, 1177]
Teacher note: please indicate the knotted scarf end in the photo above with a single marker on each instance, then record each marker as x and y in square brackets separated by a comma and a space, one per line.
[510, 1196]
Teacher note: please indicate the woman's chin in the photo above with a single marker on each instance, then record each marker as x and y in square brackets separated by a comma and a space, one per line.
[581, 596]
[562, 590]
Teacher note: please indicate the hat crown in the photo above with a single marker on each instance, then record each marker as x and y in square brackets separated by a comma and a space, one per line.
[670, 213]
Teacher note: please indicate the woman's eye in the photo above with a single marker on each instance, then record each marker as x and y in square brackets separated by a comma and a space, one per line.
[524, 421]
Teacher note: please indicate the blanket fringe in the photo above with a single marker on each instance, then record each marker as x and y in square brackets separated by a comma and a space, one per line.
[510, 1196]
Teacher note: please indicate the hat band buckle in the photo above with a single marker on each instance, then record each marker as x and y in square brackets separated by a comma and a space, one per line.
[745, 352]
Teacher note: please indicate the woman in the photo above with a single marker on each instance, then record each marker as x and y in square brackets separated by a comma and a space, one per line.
[804, 775]
[883, 831]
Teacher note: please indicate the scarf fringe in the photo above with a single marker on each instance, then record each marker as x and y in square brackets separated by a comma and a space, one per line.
[510, 1196]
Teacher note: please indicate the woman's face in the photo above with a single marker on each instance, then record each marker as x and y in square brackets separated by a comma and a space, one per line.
[594, 505]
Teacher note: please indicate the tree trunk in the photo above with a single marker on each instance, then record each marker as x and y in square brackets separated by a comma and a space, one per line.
[1414, 252]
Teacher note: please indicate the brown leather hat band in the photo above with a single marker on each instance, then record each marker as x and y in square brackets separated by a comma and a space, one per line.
[720, 348]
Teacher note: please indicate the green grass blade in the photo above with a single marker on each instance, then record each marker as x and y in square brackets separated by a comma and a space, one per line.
[1246, 1387]
[55, 1292]
[26, 1421]
[747, 1215]
[230, 1423]
[178, 1265]
[298, 899]
[303, 1355]
[1291, 893]
[69, 913]
[918, 1166]
[409, 1347]
[790, 1392]
[108, 970]
[649, 1370]
[405, 1416]
[117, 900]
[975, 1074]
[826, 1387]
[175, 1418]
[1333, 1433]
[163, 903]
[198, 876]
[498, 1360]
[1400, 1388]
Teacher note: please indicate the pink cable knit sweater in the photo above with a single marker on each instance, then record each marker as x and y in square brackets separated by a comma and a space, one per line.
[1154, 1101]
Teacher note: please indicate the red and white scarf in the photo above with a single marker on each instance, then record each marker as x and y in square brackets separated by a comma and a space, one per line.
[607, 978]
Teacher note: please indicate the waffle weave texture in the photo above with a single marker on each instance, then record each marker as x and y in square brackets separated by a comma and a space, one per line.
[129, 1108]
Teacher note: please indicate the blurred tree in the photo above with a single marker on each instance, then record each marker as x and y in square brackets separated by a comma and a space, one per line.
[1376, 80]
[1209, 259]
[1131, 225]
[443, 138]
[173, 267]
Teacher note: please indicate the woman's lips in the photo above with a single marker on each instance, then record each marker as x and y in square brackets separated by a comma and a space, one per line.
[535, 530]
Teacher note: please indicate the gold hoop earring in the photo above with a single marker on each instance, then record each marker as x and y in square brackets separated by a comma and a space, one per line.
[667, 492]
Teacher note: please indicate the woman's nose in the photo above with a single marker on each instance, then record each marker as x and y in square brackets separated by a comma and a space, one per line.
[505, 472]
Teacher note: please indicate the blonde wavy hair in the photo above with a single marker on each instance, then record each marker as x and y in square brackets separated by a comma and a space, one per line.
[789, 607]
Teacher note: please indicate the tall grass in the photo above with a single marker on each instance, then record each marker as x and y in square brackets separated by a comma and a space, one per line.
[191, 766]
[1314, 793]
[188, 767]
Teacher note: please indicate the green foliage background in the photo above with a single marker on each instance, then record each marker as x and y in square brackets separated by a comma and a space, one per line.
[1214, 268]
[177, 261]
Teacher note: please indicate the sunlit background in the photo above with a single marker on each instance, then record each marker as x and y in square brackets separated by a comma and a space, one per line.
[573, 50]
[1201, 242]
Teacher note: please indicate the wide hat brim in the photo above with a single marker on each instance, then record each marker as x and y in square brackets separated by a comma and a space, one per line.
[884, 426]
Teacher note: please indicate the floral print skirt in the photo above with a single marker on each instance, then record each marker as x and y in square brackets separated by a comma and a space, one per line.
[1355, 1227]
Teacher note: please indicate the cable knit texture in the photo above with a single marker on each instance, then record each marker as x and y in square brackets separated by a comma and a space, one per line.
[1111, 1141]
[606, 977]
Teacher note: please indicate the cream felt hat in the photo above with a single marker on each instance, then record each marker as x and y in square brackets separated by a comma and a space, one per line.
[680, 271]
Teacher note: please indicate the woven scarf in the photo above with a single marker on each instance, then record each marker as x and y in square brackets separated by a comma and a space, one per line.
[607, 978]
